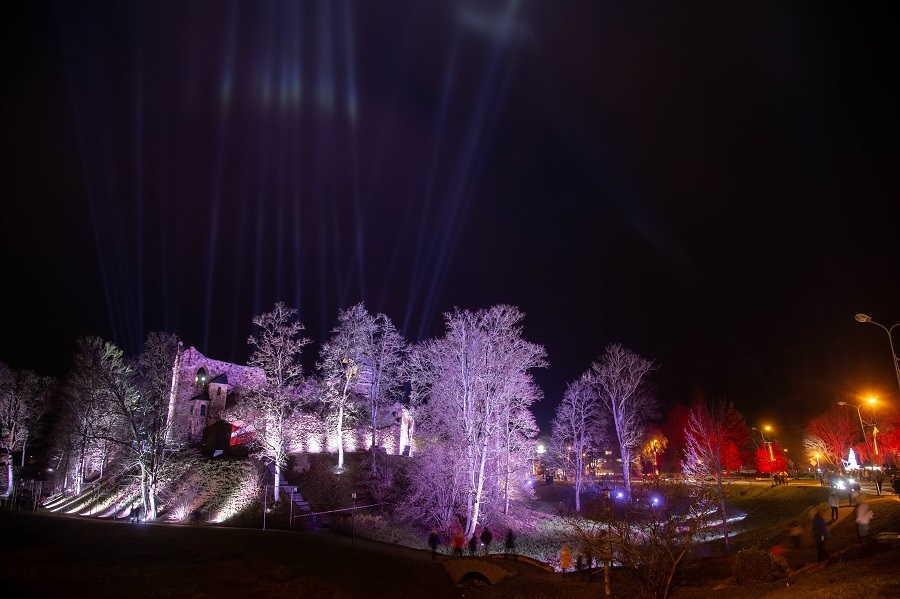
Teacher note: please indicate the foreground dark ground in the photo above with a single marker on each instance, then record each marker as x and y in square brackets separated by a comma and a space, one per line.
[84, 557]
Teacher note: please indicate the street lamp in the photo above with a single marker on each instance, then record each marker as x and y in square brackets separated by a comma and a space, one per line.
[866, 318]
[862, 424]
[353, 521]
[768, 444]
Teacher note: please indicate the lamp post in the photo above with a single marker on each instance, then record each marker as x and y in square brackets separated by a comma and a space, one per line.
[866, 318]
[353, 521]
[767, 444]
[862, 424]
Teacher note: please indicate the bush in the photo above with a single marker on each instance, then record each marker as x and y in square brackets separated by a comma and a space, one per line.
[756, 566]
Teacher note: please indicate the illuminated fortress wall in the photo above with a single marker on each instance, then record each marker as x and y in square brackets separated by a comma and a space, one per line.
[202, 387]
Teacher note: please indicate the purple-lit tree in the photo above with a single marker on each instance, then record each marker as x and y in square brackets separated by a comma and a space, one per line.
[23, 400]
[438, 490]
[362, 365]
[136, 394]
[714, 436]
[576, 429]
[619, 377]
[519, 432]
[148, 418]
[387, 371]
[83, 425]
[270, 407]
[462, 386]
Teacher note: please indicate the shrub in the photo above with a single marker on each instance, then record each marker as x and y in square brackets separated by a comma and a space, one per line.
[755, 566]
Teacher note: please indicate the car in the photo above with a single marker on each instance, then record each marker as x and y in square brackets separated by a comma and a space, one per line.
[844, 483]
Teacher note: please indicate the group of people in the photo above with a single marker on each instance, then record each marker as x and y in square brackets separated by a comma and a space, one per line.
[779, 478]
[820, 533]
[459, 542]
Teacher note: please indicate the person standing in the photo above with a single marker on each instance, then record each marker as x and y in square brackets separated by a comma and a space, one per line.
[833, 501]
[820, 534]
[879, 481]
[565, 558]
[433, 541]
[509, 546]
[473, 544]
[458, 541]
[863, 518]
[486, 538]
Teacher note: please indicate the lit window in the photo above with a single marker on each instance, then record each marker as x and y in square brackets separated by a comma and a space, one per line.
[201, 377]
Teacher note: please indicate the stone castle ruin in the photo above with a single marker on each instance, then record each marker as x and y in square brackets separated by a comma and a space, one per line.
[203, 388]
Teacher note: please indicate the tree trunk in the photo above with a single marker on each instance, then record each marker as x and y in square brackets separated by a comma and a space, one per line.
[578, 473]
[151, 497]
[506, 481]
[722, 510]
[277, 480]
[606, 578]
[79, 476]
[626, 470]
[144, 501]
[340, 432]
[478, 489]
[374, 441]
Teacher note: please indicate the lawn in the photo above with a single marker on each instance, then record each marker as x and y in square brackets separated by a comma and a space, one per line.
[87, 557]
[93, 558]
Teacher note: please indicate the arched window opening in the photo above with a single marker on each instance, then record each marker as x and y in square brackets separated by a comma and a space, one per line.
[202, 377]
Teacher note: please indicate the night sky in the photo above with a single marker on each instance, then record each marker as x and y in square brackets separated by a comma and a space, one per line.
[713, 186]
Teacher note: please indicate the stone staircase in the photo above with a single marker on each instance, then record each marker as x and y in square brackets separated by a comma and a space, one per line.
[296, 498]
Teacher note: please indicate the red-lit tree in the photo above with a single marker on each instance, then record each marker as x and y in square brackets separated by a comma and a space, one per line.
[713, 439]
[889, 438]
[770, 458]
[673, 427]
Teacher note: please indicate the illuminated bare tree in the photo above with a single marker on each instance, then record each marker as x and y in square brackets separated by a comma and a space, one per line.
[576, 429]
[84, 423]
[270, 407]
[714, 436]
[23, 400]
[386, 366]
[148, 419]
[619, 377]
[518, 433]
[655, 444]
[462, 384]
[438, 490]
[362, 362]
[830, 435]
[648, 536]
[136, 394]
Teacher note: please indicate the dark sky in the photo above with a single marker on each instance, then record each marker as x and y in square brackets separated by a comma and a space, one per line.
[713, 186]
